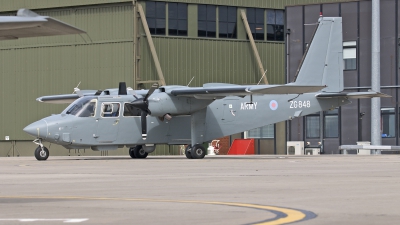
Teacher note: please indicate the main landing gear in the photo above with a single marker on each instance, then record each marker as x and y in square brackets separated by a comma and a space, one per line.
[41, 152]
[138, 152]
[196, 152]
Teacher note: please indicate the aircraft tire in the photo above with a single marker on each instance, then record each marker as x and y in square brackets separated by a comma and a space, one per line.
[131, 153]
[198, 152]
[139, 152]
[187, 152]
[41, 155]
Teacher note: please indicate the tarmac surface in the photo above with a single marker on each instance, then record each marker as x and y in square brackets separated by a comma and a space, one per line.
[326, 189]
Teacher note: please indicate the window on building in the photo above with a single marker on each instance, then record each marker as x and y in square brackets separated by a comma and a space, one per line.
[177, 19]
[312, 126]
[350, 55]
[275, 25]
[388, 122]
[261, 132]
[155, 15]
[227, 16]
[255, 17]
[207, 20]
[331, 122]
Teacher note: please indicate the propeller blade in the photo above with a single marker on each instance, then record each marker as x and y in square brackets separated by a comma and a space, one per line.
[140, 104]
[151, 90]
[122, 88]
[143, 121]
[132, 92]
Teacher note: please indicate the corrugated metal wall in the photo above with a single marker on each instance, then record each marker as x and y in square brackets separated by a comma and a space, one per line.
[55, 65]
[276, 4]
[212, 60]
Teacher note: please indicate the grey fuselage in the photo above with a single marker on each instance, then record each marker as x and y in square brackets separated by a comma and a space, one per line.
[222, 117]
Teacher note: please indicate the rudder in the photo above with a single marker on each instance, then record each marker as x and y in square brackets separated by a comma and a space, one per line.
[323, 61]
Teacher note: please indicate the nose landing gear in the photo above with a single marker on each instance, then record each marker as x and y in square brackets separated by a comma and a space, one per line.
[41, 152]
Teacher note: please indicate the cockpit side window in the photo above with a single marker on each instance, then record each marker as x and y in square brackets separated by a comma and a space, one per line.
[110, 109]
[89, 110]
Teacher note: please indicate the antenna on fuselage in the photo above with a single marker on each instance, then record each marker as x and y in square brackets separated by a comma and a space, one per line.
[77, 90]
[190, 82]
[262, 77]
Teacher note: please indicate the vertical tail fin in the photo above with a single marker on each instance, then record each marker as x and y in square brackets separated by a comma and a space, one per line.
[323, 61]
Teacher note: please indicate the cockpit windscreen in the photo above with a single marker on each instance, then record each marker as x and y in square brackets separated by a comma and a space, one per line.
[82, 107]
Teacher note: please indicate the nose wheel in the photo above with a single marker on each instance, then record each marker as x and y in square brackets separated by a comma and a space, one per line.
[41, 153]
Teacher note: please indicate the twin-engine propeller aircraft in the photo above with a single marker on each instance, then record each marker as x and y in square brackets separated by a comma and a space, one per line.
[176, 115]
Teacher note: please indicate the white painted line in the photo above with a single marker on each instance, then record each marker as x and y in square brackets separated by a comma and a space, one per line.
[48, 220]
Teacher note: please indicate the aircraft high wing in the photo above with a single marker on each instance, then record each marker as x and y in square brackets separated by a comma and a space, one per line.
[29, 24]
[208, 91]
[172, 114]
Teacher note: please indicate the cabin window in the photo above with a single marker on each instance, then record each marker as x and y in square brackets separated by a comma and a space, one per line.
[110, 110]
[129, 110]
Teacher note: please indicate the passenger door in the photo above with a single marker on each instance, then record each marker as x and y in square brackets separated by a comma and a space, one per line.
[108, 122]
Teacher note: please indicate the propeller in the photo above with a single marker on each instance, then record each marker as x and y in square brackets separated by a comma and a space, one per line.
[143, 105]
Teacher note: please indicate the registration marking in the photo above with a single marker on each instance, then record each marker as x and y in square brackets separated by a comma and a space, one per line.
[300, 104]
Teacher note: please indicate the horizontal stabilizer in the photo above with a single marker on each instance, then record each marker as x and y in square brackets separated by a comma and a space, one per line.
[369, 94]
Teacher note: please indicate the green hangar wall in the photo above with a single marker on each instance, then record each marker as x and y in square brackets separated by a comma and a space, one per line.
[35, 67]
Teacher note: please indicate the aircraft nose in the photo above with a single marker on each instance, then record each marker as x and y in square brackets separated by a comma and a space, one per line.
[37, 129]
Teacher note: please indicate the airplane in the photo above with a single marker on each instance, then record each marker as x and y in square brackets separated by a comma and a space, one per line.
[182, 115]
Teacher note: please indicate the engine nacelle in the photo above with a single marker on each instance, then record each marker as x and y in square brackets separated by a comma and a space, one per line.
[163, 103]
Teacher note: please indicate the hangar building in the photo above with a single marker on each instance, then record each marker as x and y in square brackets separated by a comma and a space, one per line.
[204, 39]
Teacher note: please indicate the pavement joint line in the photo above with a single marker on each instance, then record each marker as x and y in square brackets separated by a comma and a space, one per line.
[283, 215]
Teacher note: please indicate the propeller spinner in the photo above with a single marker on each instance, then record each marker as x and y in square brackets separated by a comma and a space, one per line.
[143, 105]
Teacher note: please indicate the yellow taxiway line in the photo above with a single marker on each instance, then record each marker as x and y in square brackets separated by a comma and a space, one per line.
[283, 215]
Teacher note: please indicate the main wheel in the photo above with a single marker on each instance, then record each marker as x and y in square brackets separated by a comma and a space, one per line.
[139, 152]
[131, 153]
[41, 154]
[187, 152]
[198, 152]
